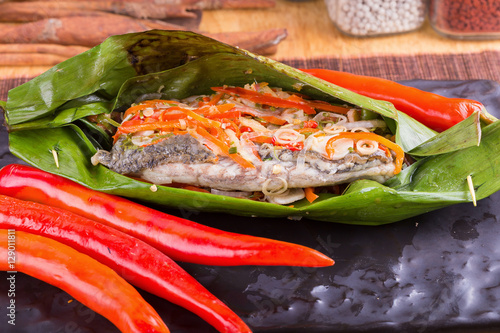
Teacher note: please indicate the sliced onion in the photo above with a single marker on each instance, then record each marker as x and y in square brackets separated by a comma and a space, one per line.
[244, 150]
[366, 147]
[359, 129]
[183, 124]
[319, 144]
[253, 124]
[272, 192]
[148, 112]
[327, 116]
[352, 115]
[251, 110]
[375, 123]
[292, 115]
[285, 136]
[308, 144]
[341, 147]
[289, 196]
[334, 129]
[142, 138]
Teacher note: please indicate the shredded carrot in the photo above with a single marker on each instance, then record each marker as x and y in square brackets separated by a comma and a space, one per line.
[146, 126]
[266, 99]
[310, 195]
[224, 148]
[225, 107]
[145, 104]
[204, 121]
[216, 98]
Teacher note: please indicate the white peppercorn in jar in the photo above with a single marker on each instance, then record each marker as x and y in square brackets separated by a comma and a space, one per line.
[364, 18]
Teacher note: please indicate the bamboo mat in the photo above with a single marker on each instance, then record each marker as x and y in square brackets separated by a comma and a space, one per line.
[483, 65]
[464, 66]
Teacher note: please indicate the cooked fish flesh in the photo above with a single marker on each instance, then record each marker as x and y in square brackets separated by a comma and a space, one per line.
[251, 139]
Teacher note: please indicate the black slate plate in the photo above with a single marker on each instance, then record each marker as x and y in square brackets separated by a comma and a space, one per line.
[437, 272]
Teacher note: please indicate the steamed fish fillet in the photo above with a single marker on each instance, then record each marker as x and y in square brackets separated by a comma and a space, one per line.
[182, 159]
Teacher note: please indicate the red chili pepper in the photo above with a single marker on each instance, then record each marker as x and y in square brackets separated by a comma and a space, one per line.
[436, 112]
[265, 99]
[245, 129]
[141, 264]
[226, 115]
[310, 124]
[87, 280]
[293, 146]
[180, 239]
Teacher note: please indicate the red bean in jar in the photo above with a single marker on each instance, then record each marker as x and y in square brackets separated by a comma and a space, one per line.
[466, 19]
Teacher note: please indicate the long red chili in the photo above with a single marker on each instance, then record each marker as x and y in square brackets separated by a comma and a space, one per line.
[436, 112]
[88, 281]
[139, 263]
[180, 239]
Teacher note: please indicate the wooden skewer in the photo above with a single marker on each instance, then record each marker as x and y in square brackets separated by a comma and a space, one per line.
[472, 190]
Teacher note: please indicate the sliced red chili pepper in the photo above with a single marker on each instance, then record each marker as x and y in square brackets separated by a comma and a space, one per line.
[274, 120]
[140, 263]
[294, 146]
[310, 124]
[261, 138]
[87, 280]
[179, 238]
[435, 111]
[265, 99]
[321, 105]
[226, 115]
[165, 116]
[245, 129]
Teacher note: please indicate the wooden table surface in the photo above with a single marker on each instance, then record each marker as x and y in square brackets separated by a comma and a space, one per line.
[312, 34]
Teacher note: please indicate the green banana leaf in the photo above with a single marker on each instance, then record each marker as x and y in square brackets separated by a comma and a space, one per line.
[47, 114]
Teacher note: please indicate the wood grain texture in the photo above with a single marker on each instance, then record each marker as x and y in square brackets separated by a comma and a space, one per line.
[311, 34]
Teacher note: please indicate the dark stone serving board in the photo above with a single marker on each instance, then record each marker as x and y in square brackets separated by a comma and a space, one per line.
[438, 272]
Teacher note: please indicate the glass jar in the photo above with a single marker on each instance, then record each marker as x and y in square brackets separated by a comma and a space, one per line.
[467, 19]
[367, 18]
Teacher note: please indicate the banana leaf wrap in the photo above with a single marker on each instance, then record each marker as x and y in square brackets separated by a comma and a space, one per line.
[48, 114]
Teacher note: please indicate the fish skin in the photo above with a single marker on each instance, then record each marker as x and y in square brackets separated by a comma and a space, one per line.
[182, 159]
[128, 159]
[228, 175]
